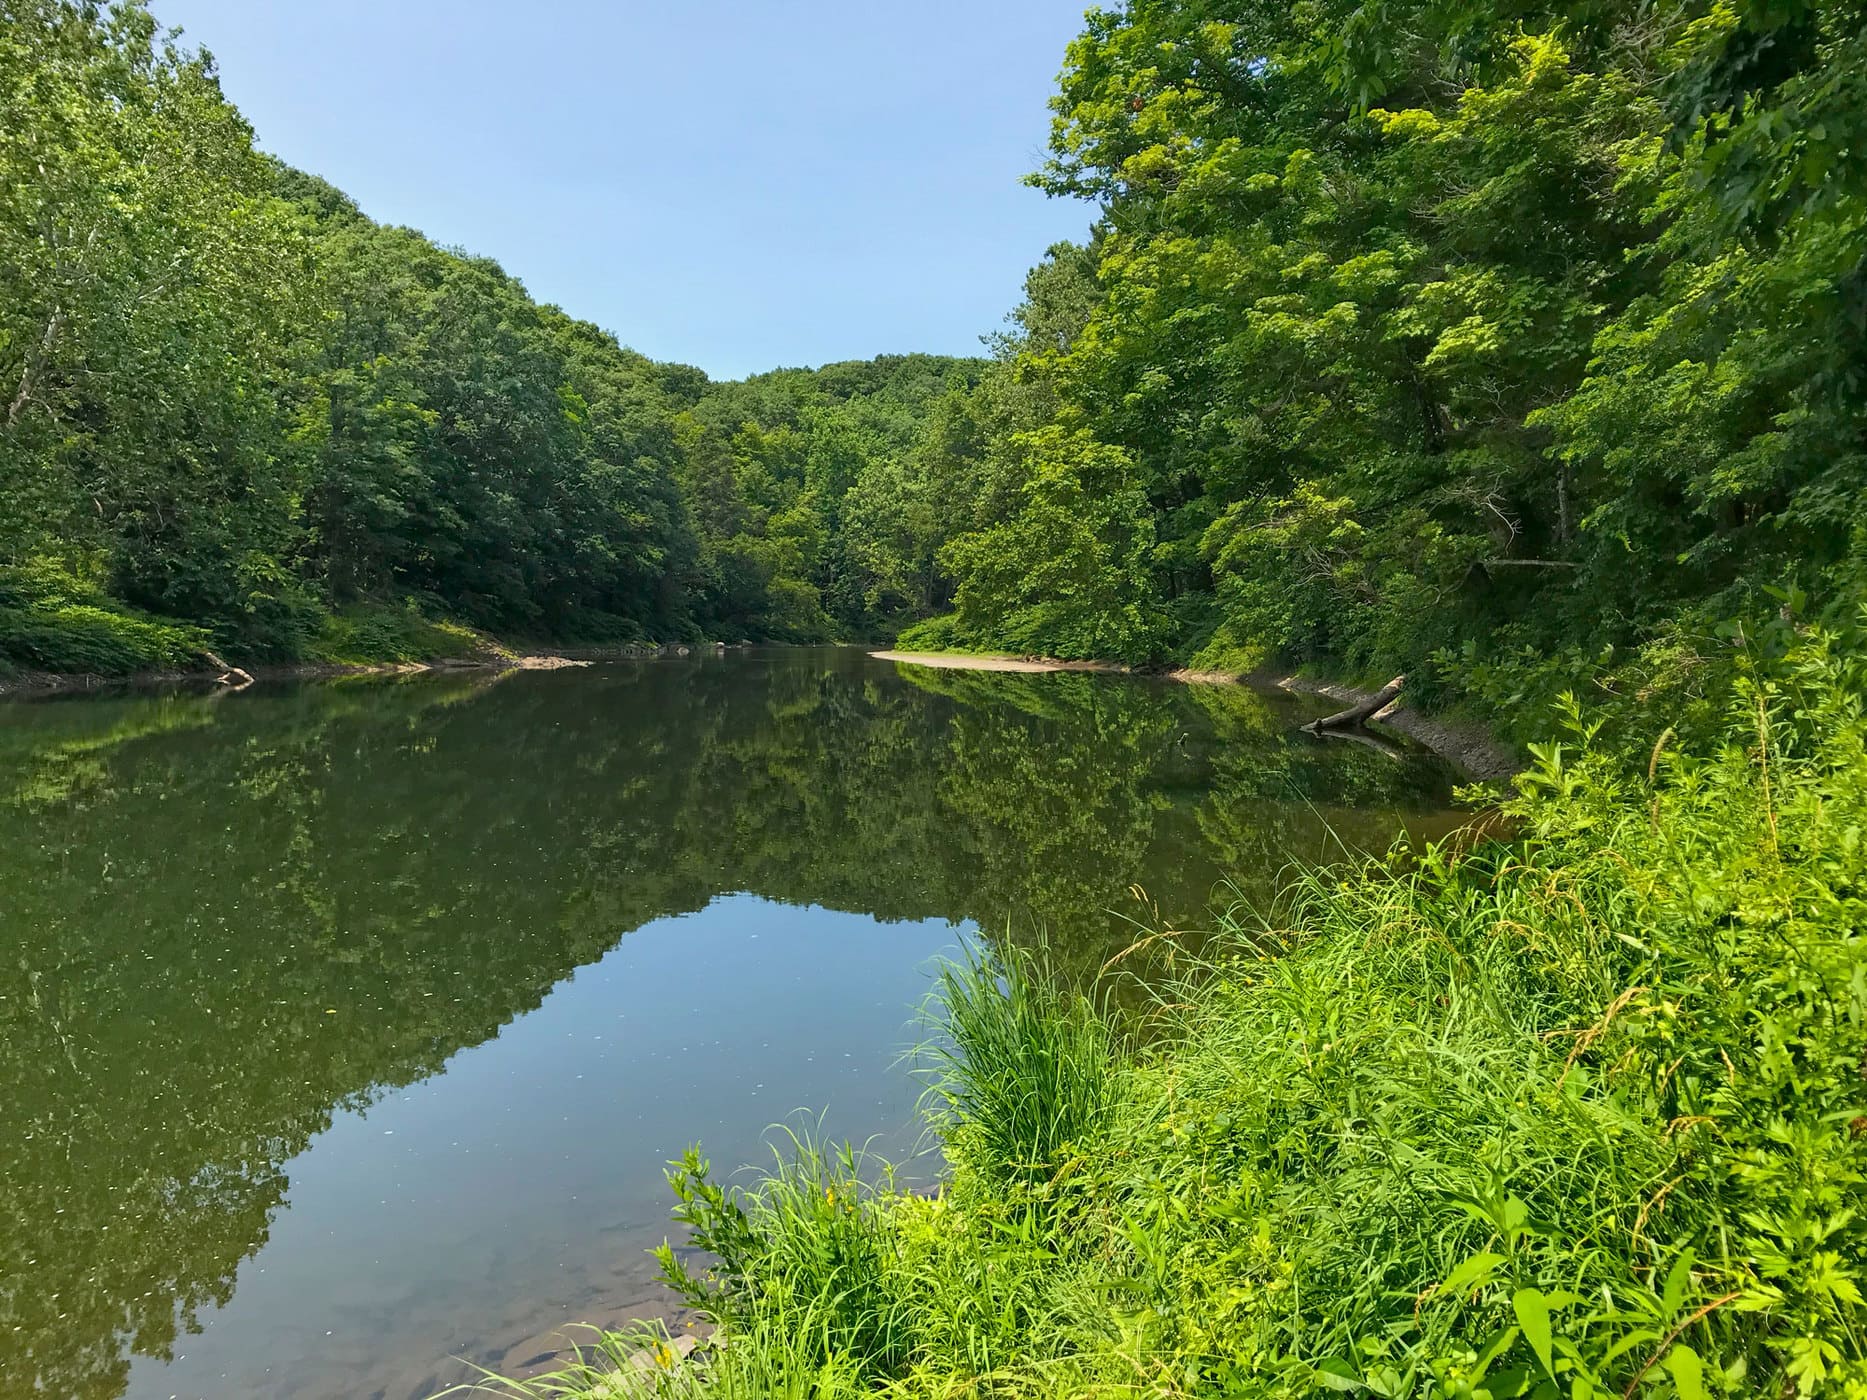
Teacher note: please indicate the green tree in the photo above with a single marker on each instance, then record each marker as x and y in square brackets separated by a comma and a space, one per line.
[154, 303]
[1481, 342]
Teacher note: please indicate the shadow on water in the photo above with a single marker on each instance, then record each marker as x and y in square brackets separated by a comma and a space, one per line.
[227, 922]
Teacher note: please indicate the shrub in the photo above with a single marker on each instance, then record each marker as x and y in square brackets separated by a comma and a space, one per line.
[935, 634]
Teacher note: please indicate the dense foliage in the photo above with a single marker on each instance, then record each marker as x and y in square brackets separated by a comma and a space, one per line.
[1504, 344]
[1489, 342]
[1500, 344]
[232, 401]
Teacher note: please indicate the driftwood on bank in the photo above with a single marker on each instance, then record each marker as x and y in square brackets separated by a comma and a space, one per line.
[231, 676]
[1358, 714]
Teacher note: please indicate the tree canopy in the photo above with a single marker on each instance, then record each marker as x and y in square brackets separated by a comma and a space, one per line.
[1484, 341]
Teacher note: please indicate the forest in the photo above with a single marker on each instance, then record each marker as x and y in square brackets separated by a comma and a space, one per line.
[1512, 346]
[240, 414]
[1506, 345]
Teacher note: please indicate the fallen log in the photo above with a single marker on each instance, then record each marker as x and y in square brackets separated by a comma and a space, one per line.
[231, 676]
[1358, 714]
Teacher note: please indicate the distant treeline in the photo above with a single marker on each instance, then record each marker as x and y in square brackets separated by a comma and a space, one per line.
[231, 400]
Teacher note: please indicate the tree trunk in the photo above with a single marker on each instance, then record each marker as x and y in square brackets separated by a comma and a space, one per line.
[1357, 714]
[35, 363]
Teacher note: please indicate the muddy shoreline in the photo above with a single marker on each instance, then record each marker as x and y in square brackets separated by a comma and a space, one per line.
[1466, 743]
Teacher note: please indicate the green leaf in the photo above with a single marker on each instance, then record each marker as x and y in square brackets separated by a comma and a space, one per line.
[1677, 1281]
[1532, 1311]
[1498, 1344]
[1338, 1374]
[1688, 1372]
[1469, 1274]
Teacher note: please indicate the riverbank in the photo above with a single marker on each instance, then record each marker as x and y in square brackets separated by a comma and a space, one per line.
[1468, 743]
[985, 661]
[1576, 1113]
[60, 636]
[32, 685]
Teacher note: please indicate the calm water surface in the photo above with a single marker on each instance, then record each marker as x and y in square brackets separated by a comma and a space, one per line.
[345, 1029]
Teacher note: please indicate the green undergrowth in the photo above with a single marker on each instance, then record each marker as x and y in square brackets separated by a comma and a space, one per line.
[53, 620]
[386, 633]
[1231, 648]
[1578, 1114]
[944, 634]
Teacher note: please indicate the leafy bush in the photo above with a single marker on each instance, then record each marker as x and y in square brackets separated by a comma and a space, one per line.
[591, 626]
[935, 634]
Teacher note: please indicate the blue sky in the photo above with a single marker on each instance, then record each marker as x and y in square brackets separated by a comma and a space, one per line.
[735, 185]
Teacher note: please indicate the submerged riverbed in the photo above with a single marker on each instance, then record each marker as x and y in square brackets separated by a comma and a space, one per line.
[346, 1027]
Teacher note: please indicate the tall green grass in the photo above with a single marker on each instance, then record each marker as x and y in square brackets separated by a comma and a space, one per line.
[640, 1363]
[810, 1250]
[1578, 1114]
[1022, 1072]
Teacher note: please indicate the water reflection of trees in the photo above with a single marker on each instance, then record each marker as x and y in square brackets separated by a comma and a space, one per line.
[226, 920]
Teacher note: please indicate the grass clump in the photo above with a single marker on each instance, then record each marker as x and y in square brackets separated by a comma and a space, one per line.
[810, 1250]
[1022, 1073]
[1578, 1114]
[642, 1362]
